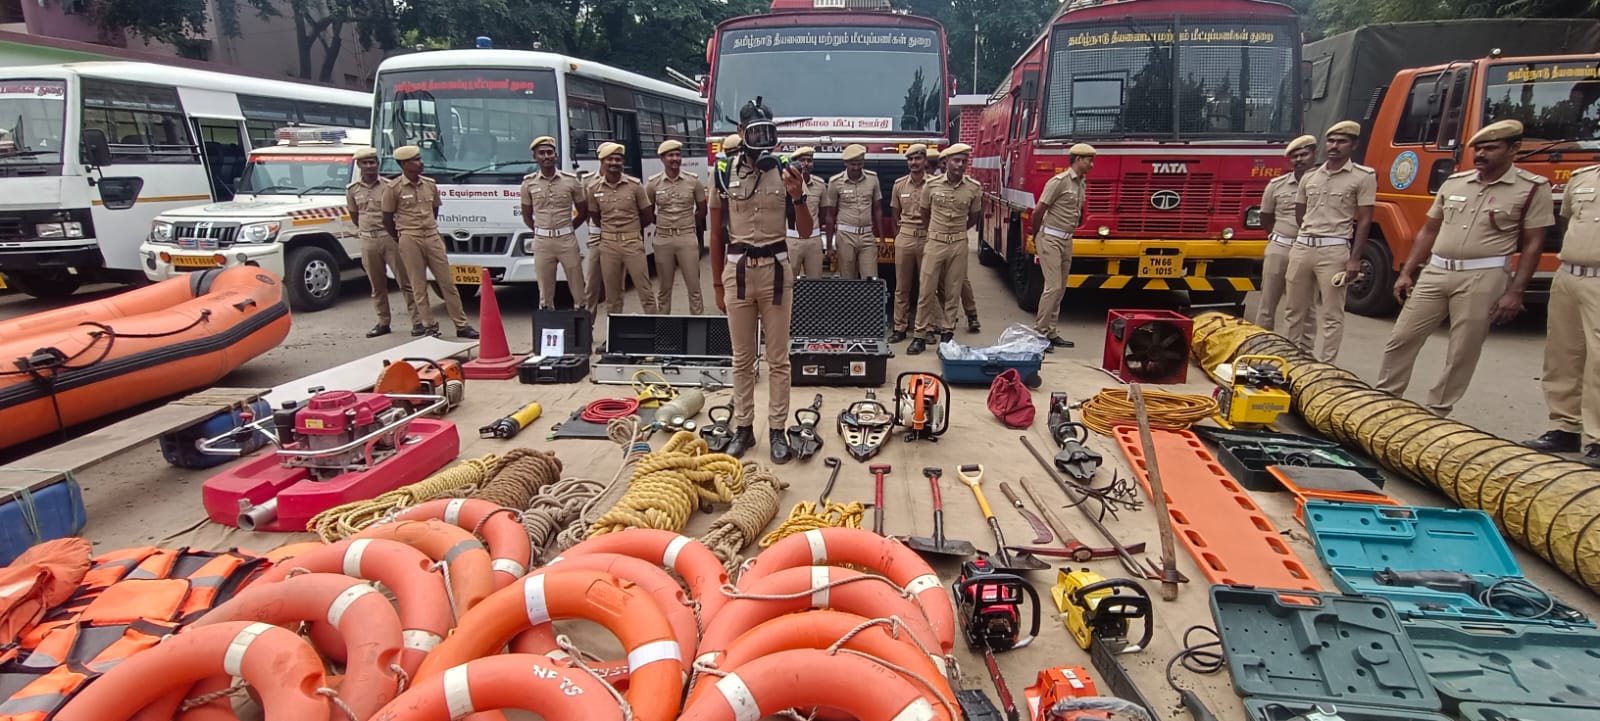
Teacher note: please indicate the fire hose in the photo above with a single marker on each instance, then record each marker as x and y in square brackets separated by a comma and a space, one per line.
[1544, 503]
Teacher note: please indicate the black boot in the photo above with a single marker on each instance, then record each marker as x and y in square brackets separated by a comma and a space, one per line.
[378, 330]
[781, 453]
[897, 336]
[973, 326]
[917, 346]
[1556, 442]
[744, 438]
[1591, 455]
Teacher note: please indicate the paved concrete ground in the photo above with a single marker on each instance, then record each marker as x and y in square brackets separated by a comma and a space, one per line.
[139, 499]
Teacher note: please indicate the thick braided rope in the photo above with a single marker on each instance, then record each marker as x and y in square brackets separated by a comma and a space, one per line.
[517, 475]
[555, 508]
[750, 513]
[667, 485]
[806, 516]
[344, 521]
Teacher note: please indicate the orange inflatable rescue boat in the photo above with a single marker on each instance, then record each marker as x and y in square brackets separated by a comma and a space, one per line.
[66, 366]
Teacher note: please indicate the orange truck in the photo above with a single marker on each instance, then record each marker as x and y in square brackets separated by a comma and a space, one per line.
[1420, 90]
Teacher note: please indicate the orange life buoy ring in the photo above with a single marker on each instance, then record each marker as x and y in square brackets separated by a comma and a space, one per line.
[511, 681]
[424, 606]
[655, 679]
[870, 598]
[820, 630]
[864, 549]
[801, 678]
[284, 671]
[363, 617]
[507, 539]
[668, 595]
[471, 571]
[693, 562]
[290, 550]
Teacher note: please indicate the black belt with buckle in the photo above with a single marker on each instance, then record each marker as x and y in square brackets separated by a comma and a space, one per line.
[745, 251]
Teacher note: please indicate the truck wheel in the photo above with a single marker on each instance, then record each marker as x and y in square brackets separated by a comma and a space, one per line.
[45, 284]
[988, 258]
[1373, 294]
[1027, 282]
[311, 275]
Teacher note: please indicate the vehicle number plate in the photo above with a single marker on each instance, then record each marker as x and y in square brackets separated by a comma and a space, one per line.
[1161, 266]
[193, 261]
[466, 274]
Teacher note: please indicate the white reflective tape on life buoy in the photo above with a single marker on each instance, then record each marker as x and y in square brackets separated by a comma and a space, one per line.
[233, 658]
[533, 601]
[918, 710]
[416, 639]
[653, 652]
[341, 603]
[669, 557]
[452, 511]
[739, 698]
[820, 576]
[819, 546]
[458, 692]
[506, 565]
[351, 566]
[938, 662]
[923, 583]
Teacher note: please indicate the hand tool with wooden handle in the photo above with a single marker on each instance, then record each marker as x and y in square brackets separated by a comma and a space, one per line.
[878, 470]
[1041, 532]
[1169, 558]
[972, 475]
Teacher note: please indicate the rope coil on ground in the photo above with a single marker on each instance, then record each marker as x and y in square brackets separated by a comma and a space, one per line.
[667, 485]
[1168, 411]
[341, 522]
[750, 513]
[809, 516]
[517, 476]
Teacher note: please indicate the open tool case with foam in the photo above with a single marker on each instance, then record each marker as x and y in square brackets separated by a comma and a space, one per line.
[839, 332]
[577, 328]
[686, 350]
[1248, 454]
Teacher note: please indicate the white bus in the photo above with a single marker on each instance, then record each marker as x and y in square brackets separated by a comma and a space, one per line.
[91, 152]
[474, 113]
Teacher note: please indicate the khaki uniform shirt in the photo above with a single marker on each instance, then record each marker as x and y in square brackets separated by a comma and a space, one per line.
[756, 203]
[853, 198]
[949, 204]
[1331, 198]
[413, 204]
[1278, 199]
[675, 201]
[906, 202]
[365, 202]
[619, 206]
[815, 188]
[1485, 220]
[1064, 193]
[1581, 208]
[553, 200]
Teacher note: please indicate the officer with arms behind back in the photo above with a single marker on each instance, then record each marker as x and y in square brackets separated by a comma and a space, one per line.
[1278, 216]
[755, 194]
[967, 301]
[1572, 335]
[905, 204]
[622, 210]
[853, 211]
[410, 213]
[364, 199]
[1476, 222]
[807, 253]
[1332, 206]
[1055, 217]
[680, 200]
[953, 204]
[553, 203]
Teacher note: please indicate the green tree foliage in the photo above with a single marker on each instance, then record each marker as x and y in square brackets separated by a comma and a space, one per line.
[167, 21]
[322, 23]
[1004, 29]
[1336, 16]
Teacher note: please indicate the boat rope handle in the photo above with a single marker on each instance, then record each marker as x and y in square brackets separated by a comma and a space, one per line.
[573, 652]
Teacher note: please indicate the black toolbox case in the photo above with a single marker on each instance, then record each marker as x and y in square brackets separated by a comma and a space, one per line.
[577, 327]
[839, 332]
[689, 350]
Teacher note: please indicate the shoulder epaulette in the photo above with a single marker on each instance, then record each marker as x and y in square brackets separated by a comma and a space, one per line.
[1464, 173]
[688, 175]
[838, 175]
[1586, 169]
[660, 174]
[354, 183]
[567, 173]
[1532, 177]
[1363, 168]
[870, 172]
[531, 176]
[970, 179]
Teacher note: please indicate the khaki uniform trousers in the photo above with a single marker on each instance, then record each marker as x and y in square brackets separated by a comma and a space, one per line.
[593, 282]
[944, 267]
[625, 255]
[678, 251]
[753, 319]
[1055, 261]
[1572, 355]
[858, 254]
[1274, 268]
[421, 251]
[908, 249]
[561, 250]
[954, 305]
[1466, 297]
[1314, 307]
[380, 251]
[807, 257]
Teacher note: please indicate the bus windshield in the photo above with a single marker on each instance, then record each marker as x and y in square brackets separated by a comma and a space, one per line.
[1554, 100]
[32, 121]
[1200, 79]
[841, 79]
[468, 121]
[296, 175]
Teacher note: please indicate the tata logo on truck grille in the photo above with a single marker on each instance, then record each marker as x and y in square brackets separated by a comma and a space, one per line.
[1165, 200]
[1178, 168]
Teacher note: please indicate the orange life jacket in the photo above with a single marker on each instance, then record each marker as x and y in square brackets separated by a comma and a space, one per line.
[130, 599]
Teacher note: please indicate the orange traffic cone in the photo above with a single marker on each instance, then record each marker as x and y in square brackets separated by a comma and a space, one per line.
[494, 361]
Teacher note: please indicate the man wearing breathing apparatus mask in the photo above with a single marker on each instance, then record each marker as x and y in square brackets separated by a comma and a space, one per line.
[755, 197]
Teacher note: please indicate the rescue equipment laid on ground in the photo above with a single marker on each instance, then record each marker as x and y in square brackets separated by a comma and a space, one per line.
[1170, 578]
[422, 377]
[790, 590]
[1250, 455]
[1256, 394]
[838, 335]
[465, 560]
[1338, 485]
[691, 560]
[61, 367]
[535, 684]
[939, 546]
[802, 678]
[678, 413]
[865, 425]
[507, 428]
[507, 540]
[338, 447]
[686, 350]
[1071, 547]
[803, 437]
[1148, 346]
[1003, 558]
[1040, 530]
[921, 406]
[180, 448]
[719, 432]
[1010, 401]
[576, 330]
[989, 603]
[1097, 612]
[1068, 693]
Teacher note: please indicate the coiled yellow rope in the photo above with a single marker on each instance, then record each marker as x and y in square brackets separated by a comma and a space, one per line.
[1168, 411]
[807, 516]
[668, 484]
[341, 522]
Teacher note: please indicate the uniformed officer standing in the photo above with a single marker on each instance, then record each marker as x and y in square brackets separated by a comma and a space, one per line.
[622, 210]
[1278, 216]
[410, 213]
[953, 205]
[379, 250]
[1333, 208]
[853, 212]
[1056, 216]
[1476, 222]
[967, 301]
[680, 200]
[807, 253]
[1572, 333]
[753, 195]
[910, 235]
[553, 203]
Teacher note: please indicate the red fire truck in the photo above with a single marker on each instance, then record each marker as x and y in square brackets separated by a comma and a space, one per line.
[835, 72]
[1189, 102]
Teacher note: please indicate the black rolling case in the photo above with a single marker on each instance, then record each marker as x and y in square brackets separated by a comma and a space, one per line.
[839, 332]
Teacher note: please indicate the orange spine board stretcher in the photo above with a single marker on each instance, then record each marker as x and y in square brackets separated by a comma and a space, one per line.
[135, 347]
[1230, 538]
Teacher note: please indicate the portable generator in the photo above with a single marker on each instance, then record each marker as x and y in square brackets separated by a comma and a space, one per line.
[1257, 393]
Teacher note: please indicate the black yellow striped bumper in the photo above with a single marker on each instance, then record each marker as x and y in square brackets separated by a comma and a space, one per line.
[1195, 283]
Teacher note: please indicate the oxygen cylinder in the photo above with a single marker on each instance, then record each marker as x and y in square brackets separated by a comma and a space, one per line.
[680, 412]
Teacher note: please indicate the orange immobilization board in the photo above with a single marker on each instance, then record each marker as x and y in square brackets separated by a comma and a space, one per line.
[1226, 532]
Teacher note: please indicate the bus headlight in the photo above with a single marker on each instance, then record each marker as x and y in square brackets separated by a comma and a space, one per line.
[259, 233]
[1252, 217]
[160, 232]
[1227, 233]
[49, 230]
[73, 230]
[1103, 231]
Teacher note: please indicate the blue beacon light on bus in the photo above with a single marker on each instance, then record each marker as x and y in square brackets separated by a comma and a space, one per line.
[484, 43]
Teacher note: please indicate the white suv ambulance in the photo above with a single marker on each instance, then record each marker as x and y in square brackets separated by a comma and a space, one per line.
[288, 215]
